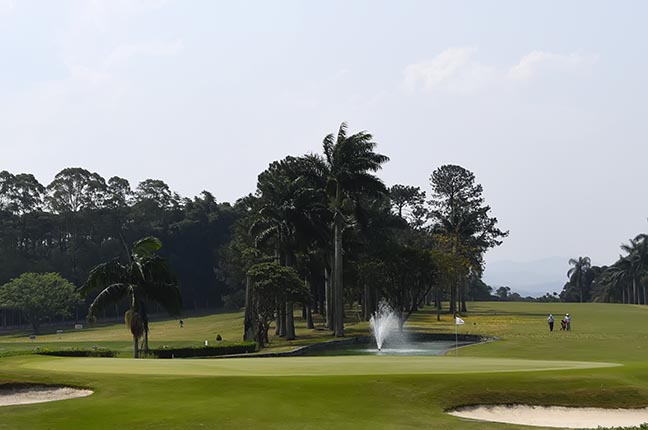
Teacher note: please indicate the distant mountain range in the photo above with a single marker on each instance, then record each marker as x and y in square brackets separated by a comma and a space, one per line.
[530, 278]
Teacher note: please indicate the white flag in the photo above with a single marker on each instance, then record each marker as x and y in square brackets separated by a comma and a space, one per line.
[459, 321]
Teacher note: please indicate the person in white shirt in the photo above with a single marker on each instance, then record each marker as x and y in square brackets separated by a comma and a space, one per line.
[567, 322]
[550, 321]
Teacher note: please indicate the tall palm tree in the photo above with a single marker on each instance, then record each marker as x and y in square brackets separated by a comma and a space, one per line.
[349, 162]
[616, 279]
[145, 279]
[577, 273]
[289, 216]
[637, 250]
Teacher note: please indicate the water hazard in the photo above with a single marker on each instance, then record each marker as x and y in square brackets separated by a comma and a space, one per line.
[436, 347]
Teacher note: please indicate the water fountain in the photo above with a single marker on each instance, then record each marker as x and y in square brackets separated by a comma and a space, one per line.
[383, 322]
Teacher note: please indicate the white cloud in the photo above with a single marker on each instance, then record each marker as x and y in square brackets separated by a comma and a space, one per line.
[124, 53]
[538, 63]
[452, 70]
[457, 70]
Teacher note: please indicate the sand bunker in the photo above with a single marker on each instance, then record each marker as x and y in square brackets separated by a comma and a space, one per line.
[555, 416]
[21, 395]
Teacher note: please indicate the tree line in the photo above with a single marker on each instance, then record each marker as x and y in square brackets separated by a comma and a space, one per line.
[81, 219]
[321, 234]
[623, 281]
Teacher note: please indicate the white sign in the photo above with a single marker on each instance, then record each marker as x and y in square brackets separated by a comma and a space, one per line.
[459, 321]
[78, 326]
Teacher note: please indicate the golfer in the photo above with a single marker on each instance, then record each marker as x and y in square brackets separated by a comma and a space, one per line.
[550, 321]
[567, 322]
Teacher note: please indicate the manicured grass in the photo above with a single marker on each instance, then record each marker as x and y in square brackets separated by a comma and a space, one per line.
[528, 365]
[196, 330]
[304, 366]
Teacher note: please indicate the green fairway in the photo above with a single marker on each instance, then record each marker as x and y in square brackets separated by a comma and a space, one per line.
[601, 362]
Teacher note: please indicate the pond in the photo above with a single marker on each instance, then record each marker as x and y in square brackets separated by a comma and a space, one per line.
[418, 348]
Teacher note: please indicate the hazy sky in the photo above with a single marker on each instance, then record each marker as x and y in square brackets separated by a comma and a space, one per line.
[544, 101]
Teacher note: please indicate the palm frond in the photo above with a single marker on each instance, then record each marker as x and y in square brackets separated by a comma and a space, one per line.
[146, 247]
[110, 295]
[103, 275]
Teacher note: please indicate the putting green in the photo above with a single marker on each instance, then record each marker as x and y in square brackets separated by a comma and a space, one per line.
[303, 366]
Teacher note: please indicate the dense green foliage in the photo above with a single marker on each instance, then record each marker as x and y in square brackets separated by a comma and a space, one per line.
[327, 216]
[624, 281]
[204, 351]
[80, 220]
[76, 352]
[39, 297]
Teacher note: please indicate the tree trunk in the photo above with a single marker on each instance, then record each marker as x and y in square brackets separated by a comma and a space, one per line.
[339, 289]
[634, 291]
[135, 347]
[463, 295]
[282, 320]
[328, 290]
[261, 336]
[365, 302]
[309, 318]
[146, 332]
[278, 322]
[290, 321]
[453, 296]
[249, 329]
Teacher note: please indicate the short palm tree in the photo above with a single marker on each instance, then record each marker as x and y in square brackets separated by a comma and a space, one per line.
[577, 273]
[145, 279]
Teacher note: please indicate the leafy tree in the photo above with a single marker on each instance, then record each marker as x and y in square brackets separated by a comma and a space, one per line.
[145, 279]
[461, 215]
[272, 284]
[407, 275]
[39, 296]
[118, 193]
[503, 292]
[74, 189]
[20, 194]
[409, 203]
[158, 192]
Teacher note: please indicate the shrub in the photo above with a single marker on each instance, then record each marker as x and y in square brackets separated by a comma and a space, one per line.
[204, 351]
[75, 352]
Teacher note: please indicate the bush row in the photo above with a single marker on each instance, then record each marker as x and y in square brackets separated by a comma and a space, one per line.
[75, 352]
[204, 351]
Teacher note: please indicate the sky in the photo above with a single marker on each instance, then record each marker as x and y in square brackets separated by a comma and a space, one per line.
[544, 101]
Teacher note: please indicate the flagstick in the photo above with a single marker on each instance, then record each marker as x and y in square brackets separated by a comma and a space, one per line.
[456, 338]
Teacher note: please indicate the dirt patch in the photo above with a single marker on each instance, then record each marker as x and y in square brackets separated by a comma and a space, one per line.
[25, 394]
[555, 416]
